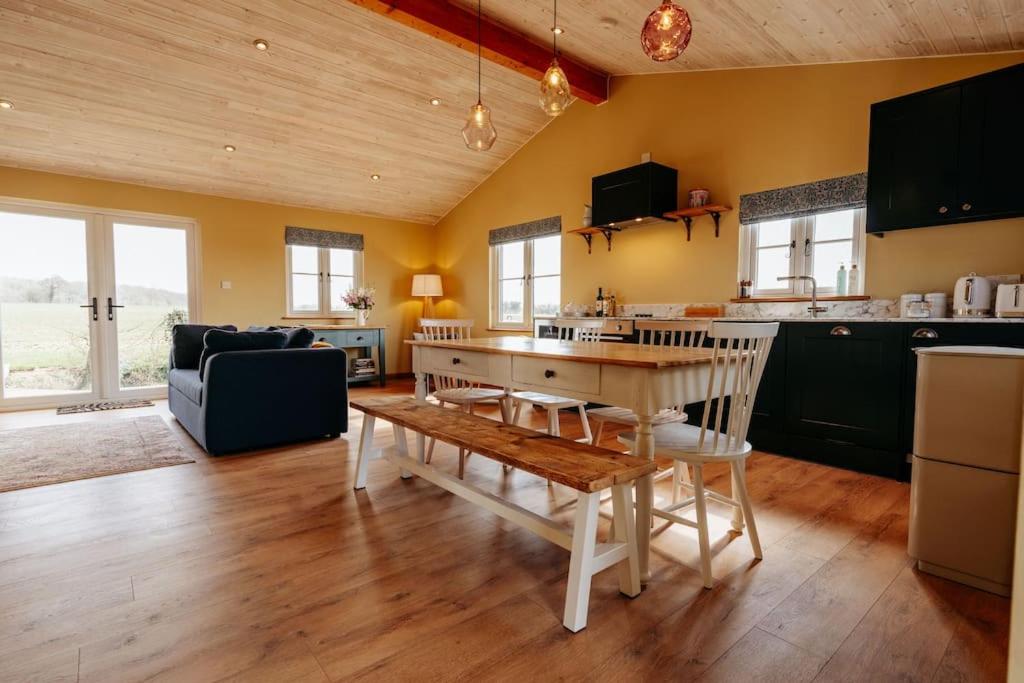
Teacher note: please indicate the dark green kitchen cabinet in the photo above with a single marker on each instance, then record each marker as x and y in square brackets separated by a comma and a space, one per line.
[843, 383]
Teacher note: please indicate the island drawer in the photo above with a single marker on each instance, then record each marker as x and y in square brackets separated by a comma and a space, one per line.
[453, 361]
[557, 374]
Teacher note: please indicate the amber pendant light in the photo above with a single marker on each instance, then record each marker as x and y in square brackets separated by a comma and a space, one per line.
[555, 95]
[479, 132]
[666, 32]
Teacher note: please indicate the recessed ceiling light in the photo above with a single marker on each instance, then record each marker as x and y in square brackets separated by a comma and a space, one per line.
[375, 177]
[557, 30]
[435, 101]
[229, 148]
[261, 45]
[6, 104]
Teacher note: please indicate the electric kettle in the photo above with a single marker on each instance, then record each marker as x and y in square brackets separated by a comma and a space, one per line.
[972, 297]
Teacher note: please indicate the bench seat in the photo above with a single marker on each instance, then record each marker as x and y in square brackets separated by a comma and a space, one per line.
[587, 469]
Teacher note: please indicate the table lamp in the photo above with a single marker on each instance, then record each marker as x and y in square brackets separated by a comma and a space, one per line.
[427, 286]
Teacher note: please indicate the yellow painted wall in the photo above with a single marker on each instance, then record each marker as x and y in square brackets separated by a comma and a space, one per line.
[243, 242]
[734, 132]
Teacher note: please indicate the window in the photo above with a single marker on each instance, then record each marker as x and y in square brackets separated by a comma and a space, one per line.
[526, 282]
[318, 277]
[810, 245]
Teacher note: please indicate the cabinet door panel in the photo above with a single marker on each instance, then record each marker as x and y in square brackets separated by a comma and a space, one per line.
[992, 145]
[845, 388]
[913, 160]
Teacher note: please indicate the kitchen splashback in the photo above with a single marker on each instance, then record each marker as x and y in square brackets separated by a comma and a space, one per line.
[873, 308]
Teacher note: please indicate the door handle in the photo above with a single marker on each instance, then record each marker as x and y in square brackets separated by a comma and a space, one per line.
[110, 308]
[94, 307]
[840, 331]
[925, 333]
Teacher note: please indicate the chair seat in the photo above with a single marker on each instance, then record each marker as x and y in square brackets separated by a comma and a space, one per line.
[681, 441]
[625, 416]
[546, 400]
[464, 395]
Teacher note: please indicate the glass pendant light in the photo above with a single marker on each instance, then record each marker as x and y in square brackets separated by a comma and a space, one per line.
[479, 132]
[666, 32]
[555, 95]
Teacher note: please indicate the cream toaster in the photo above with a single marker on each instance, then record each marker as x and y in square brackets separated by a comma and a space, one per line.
[1010, 301]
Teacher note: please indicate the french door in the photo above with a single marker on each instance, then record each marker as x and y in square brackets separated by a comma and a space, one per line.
[87, 302]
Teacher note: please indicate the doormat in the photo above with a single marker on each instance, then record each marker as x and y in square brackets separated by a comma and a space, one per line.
[103, 405]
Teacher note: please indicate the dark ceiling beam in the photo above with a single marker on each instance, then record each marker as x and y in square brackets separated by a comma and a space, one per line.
[457, 26]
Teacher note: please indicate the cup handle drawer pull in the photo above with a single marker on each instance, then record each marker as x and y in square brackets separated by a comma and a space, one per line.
[925, 333]
[359, 339]
[456, 361]
[548, 374]
[840, 331]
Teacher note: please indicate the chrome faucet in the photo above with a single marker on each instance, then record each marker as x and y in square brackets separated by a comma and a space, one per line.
[814, 308]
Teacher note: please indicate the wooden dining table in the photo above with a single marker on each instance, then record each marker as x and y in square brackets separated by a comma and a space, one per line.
[645, 380]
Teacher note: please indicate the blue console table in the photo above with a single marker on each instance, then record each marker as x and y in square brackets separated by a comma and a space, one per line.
[361, 339]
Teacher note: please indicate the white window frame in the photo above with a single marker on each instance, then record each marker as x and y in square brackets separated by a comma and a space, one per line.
[529, 319]
[327, 308]
[801, 258]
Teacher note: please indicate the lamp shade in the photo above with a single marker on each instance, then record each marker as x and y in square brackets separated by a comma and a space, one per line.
[426, 285]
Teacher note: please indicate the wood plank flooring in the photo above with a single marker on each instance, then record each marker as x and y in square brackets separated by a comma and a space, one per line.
[269, 567]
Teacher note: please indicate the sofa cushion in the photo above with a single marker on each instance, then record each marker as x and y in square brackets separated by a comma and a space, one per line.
[217, 341]
[187, 343]
[298, 337]
[188, 383]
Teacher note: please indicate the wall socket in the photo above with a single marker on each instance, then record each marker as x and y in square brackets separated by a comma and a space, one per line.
[225, 284]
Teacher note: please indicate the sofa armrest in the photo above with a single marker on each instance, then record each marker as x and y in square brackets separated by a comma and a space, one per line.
[274, 396]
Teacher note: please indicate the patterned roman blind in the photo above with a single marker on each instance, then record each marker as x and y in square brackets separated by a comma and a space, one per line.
[525, 231]
[308, 237]
[834, 194]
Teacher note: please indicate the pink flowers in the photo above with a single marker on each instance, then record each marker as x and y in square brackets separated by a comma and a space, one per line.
[360, 298]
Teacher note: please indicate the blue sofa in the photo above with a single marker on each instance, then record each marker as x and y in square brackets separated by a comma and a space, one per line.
[255, 399]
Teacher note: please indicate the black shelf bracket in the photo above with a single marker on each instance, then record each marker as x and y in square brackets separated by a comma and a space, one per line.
[717, 216]
[590, 240]
[688, 222]
[608, 232]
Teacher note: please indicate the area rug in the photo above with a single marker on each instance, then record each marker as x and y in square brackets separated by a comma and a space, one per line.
[103, 405]
[37, 456]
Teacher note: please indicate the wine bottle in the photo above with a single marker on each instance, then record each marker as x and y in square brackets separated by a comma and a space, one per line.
[599, 304]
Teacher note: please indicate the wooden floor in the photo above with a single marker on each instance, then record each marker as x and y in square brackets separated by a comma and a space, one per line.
[269, 567]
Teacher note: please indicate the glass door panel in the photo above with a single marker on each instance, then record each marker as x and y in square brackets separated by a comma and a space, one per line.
[46, 321]
[151, 295]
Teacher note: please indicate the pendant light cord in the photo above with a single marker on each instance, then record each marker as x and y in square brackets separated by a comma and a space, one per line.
[479, 59]
[554, 33]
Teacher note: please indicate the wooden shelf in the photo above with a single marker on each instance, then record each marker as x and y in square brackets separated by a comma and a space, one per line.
[685, 215]
[688, 214]
[588, 235]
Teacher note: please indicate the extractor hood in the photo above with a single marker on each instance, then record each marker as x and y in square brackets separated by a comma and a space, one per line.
[637, 194]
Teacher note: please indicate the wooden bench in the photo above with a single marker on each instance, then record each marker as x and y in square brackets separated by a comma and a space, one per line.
[588, 469]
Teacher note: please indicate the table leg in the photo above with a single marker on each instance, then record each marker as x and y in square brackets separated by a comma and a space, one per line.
[421, 397]
[644, 494]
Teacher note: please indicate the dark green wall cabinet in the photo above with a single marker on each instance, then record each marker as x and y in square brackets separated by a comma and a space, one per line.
[842, 393]
[948, 155]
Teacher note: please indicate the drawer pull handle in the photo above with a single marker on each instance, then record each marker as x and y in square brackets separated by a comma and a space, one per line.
[359, 339]
[966, 207]
[456, 361]
[925, 333]
[943, 209]
[840, 331]
[549, 374]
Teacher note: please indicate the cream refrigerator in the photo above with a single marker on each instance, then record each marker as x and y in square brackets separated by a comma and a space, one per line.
[966, 463]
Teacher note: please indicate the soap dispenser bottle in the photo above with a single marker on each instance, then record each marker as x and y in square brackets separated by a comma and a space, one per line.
[841, 280]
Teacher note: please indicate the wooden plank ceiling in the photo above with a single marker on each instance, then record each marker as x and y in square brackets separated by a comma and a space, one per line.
[150, 91]
[745, 33]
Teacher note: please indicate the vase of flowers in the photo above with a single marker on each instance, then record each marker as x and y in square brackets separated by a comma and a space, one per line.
[362, 300]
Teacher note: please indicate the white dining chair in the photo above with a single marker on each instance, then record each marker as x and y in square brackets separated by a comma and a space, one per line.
[454, 390]
[740, 352]
[654, 334]
[587, 331]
